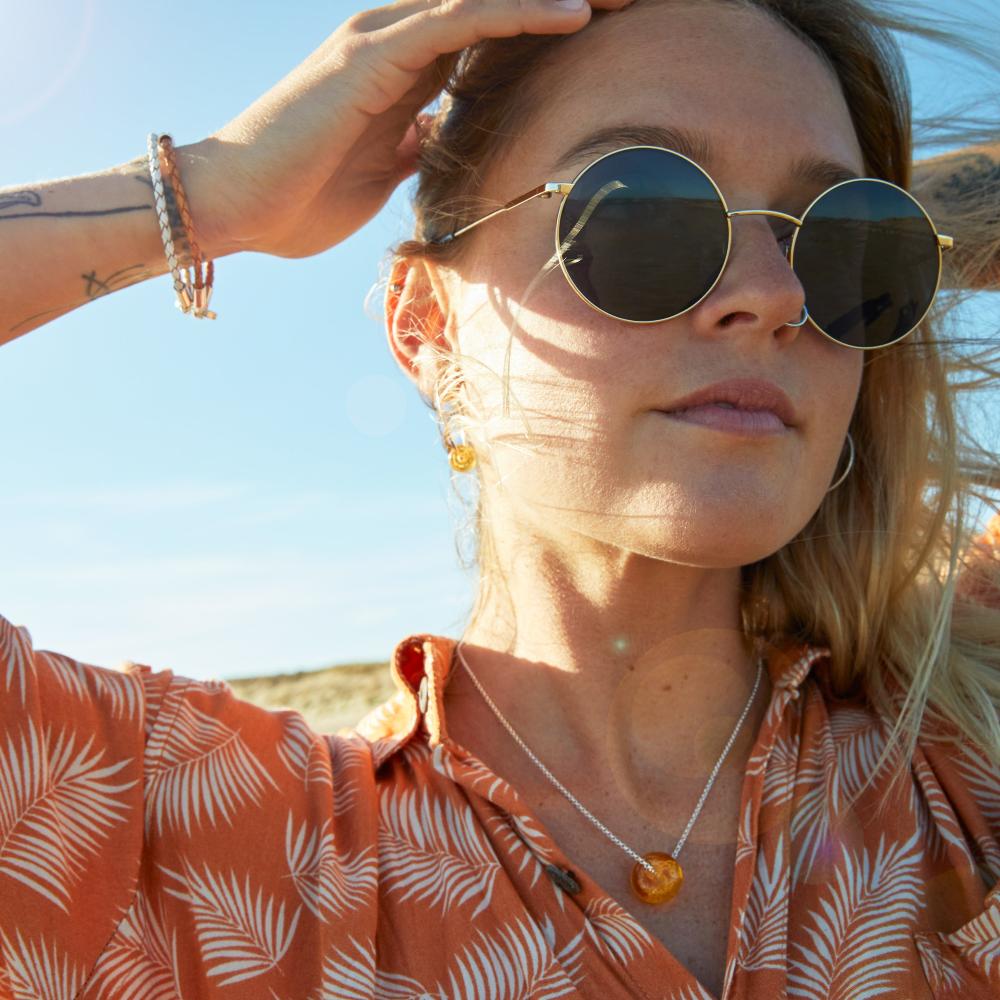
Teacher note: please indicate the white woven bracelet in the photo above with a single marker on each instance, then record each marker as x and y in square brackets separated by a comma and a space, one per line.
[185, 297]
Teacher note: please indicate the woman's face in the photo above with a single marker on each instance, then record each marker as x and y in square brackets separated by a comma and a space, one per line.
[584, 449]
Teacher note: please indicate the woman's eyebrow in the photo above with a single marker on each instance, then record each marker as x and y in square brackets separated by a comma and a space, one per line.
[695, 145]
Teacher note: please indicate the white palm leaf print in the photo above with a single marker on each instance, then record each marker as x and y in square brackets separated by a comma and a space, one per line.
[153, 694]
[327, 881]
[570, 955]
[304, 753]
[397, 986]
[989, 863]
[745, 845]
[859, 738]
[37, 971]
[433, 850]
[941, 972]
[416, 754]
[515, 963]
[56, 809]
[810, 822]
[983, 783]
[121, 693]
[474, 772]
[757, 762]
[934, 814]
[140, 961]
[764, 931]
[238, 937]
[15, 656]
[350, 758]
[691, 992]
[779, 777]
[862, 926]
[979, 940]
[833, 767]
[204, 765]
[514, 833]
[615, 930]
[349, 975]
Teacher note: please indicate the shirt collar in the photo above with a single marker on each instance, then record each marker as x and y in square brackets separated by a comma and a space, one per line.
[422, 663]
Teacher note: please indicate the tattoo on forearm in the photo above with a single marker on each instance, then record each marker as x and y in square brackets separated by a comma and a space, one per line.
[19, 198]
[968, 182]
[32, 199]
[96, 287]
[28, 319]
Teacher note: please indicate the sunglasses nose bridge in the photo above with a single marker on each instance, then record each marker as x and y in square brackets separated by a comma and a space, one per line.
[765, 211]
[772, 214]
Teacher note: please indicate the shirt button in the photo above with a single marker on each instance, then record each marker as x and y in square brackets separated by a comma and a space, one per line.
[563, 878]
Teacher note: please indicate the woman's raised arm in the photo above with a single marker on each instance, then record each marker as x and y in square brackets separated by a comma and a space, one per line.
[306, 165]
[965, 182]
[65, 242]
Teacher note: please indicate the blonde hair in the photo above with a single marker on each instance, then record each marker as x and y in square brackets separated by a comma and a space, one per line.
[873, 576]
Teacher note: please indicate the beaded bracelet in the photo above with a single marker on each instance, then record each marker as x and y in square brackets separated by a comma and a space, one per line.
[193, 300]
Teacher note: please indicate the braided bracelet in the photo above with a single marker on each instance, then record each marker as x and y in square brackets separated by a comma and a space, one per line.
[186, 298]
[202, 272]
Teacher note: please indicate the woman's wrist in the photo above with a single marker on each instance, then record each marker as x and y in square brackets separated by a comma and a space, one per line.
[205, 173]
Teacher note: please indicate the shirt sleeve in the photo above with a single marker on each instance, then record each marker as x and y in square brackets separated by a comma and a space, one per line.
[160, 836]
[71, 757]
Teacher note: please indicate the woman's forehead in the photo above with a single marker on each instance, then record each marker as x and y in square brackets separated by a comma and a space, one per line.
[728, 73]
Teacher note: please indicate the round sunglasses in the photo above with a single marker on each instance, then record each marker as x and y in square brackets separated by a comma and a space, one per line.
[644, 234]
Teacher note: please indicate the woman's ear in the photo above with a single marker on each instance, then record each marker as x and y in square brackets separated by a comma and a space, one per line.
[416, 320]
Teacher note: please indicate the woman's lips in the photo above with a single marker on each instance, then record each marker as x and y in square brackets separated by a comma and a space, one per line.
[735, 421]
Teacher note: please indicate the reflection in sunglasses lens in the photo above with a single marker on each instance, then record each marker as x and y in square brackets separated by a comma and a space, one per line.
[868, 259]
[643, 234]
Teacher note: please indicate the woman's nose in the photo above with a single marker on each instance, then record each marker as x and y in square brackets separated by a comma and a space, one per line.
[758, 284]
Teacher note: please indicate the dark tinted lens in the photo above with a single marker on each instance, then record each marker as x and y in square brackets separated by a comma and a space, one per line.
[643, 234]
[868, 259]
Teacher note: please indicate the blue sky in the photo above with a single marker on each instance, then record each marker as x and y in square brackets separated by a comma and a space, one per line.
[258, 494]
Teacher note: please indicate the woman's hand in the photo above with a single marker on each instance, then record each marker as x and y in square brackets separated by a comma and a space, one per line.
[320, 153]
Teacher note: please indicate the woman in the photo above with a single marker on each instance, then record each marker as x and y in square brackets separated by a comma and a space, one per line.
[759, 713]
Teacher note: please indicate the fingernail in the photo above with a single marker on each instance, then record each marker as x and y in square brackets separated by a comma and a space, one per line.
[570, 4]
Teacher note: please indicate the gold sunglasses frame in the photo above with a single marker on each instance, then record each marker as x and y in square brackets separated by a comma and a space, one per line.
[563, 188]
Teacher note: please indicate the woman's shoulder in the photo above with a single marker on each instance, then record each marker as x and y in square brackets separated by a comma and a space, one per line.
[133, 791]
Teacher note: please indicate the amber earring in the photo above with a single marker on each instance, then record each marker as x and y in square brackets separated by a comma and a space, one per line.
[462, 457]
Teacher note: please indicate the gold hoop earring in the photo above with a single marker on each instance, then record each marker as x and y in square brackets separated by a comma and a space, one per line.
[850, 465]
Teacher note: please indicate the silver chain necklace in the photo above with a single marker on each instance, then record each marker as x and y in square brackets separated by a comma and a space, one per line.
[656, 876]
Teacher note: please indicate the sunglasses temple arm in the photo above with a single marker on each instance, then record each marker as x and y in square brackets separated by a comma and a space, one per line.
[542, 191]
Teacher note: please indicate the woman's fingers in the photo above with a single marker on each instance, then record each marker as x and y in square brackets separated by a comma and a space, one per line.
[390, 13]
[424, 31]
[314, 158]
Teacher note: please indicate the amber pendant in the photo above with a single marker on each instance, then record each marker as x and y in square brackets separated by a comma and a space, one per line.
[661, 887]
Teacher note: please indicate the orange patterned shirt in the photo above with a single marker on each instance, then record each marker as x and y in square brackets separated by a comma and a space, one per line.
[162, 839]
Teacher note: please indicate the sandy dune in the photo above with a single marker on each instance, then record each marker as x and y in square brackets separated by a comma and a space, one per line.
[328, 699]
